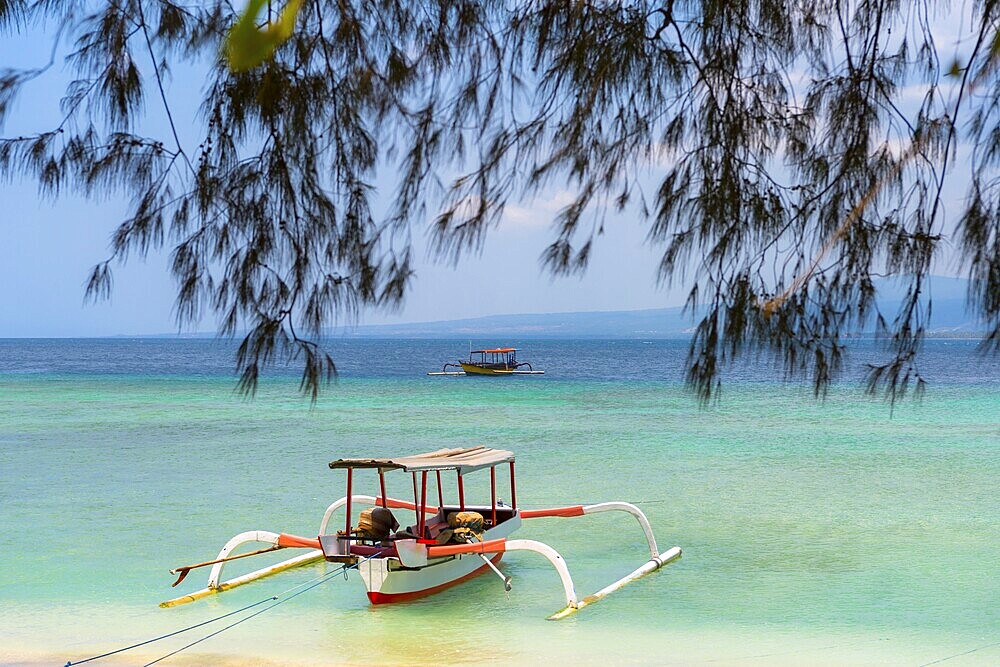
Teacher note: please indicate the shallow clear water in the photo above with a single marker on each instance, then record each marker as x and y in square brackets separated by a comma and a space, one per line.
[813, 532]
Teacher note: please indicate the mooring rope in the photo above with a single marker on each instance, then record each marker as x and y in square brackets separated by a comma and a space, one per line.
[958, 655]
[315, 581]
[70, 663]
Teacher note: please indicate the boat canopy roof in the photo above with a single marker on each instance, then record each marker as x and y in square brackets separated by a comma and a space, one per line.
[463, 460]
[499, 350]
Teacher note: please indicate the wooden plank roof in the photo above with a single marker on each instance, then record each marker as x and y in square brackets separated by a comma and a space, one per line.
[463, 460]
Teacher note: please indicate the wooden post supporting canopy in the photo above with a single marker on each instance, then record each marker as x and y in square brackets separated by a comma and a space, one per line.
[416, 500]
[423, 502]
[493, 494]
[347, 530]
[513, 490]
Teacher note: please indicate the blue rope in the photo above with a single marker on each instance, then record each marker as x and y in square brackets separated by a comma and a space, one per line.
[321, 579]
[70, 663]
[343, 568]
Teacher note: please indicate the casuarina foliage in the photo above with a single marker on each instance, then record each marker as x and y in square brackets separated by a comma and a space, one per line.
[783, 155]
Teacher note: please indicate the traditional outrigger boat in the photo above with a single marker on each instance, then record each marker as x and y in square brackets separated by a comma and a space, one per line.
[498, 361]
[448, 542]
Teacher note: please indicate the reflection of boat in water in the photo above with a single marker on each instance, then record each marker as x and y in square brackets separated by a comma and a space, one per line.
[498, 361]
[449, 542]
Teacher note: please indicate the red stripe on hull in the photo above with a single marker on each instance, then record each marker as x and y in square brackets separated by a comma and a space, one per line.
[385, 598]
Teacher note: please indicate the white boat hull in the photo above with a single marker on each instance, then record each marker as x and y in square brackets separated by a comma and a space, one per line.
[387, 580]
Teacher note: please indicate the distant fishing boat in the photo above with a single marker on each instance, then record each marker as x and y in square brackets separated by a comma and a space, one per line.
[498, 361]
[448, 543]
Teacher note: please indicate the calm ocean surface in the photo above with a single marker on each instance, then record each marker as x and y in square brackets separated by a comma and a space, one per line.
[824, 533]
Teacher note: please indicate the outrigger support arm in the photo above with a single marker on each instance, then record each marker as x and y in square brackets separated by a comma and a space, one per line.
[501, 545]
[580, 510]
[278, 540]
[553, 557]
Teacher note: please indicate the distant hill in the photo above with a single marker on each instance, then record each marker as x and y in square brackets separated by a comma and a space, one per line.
[656, 323]
[948, 317]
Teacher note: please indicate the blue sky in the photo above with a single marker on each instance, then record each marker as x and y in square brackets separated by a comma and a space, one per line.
[49, 246]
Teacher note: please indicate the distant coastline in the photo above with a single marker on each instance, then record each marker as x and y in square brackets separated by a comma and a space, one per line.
[665, 324]
[949, 320]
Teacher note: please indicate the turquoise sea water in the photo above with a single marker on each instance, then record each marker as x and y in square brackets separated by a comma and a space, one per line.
[813, 532]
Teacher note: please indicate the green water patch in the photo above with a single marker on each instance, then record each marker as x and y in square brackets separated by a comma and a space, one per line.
[799, 519]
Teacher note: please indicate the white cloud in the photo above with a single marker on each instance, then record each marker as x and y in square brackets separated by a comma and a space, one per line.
[538, 213]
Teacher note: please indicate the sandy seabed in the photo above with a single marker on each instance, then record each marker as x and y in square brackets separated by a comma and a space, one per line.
[545, 644]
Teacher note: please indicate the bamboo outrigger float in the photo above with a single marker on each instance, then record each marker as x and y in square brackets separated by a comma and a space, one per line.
[447, 544]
